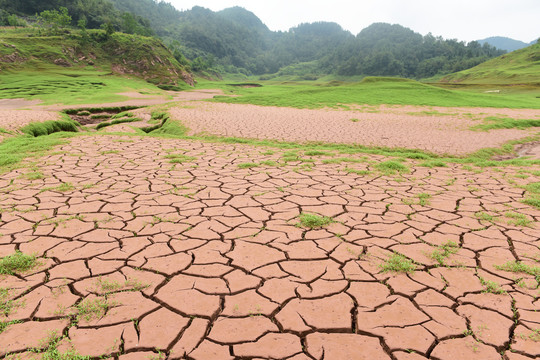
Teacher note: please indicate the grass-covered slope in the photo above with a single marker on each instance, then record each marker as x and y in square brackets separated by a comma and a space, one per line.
[73, 69]
[518, 67]
[370, 91]
[140, 56]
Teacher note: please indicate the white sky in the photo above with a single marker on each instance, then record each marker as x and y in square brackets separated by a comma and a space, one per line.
[452, 19]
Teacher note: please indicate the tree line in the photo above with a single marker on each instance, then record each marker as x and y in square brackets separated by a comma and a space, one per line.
[235, 40]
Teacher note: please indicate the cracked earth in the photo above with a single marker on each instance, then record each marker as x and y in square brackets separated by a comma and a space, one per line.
[142, 257]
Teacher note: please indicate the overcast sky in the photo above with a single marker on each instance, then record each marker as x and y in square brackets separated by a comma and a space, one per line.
[452, 19]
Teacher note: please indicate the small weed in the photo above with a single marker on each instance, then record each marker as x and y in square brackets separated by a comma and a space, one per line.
[451, 181]
[48, 349]
[110, 152]
[313, 221]
[35, 175]
[179, 158]
[107, 286]
[93, 309]
[517, 219]
[357, 172]
[519, 267]
[482, 215]
[268, 163]
[398, 263]
[6, 304]
[444, 251]
[64, 187]
[5, 324]
[492, 286]
[317, 153]
[17, 263]
[355, 120]
[247, 165]
[421, 199]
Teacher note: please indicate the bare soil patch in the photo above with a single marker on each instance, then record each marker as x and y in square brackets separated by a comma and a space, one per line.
[424, 128]
[12, 120]
[202, 258]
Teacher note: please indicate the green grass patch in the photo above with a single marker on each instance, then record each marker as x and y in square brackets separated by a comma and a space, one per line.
[370, 91]
[519, 267]
[398, 263]
[532, 200]
[34, 175]
[518, 219]
[317, 153]
[180, 158]
[493, 122]
[49, 127]
[313, 221]
[17, 263]
[247, 165]
[14, 150]
[392, 167]
[433, 163]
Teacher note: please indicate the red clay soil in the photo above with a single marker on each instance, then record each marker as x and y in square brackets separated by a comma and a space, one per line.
[203, 259]
[407, 127]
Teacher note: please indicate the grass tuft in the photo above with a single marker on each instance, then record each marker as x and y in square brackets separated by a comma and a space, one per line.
[247, 165]
[49, 127]
[398, 263]
[313, 221]
[444, 251]
[17, 263]
[391, 167]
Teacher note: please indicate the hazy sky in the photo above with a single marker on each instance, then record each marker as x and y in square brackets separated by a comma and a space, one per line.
[452, 19]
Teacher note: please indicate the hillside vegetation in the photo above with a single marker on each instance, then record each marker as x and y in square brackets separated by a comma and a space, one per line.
[519, 67]
[77, 67]
[235, 40]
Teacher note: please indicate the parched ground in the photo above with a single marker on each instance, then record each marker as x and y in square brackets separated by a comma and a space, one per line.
[204, 259]
[438, 130]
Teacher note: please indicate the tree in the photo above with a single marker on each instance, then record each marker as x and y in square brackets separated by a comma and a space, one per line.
[109, 29]
[56, 19]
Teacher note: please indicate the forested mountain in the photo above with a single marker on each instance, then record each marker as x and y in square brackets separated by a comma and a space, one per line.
[235, 40]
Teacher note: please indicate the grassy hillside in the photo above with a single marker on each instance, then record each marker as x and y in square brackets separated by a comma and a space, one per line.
[370, 91]
[73, 69]
[518, 67]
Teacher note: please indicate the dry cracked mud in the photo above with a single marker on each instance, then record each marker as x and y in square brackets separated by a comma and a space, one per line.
[141, 258]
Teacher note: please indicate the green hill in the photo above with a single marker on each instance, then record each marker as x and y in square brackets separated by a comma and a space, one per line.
[77, 67]
[121, 54]
[518, 67]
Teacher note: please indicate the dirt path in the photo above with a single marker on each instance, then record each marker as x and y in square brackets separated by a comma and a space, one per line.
[204, 260]
[407, 127]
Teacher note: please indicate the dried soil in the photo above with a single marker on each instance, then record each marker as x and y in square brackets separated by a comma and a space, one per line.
[204, 260]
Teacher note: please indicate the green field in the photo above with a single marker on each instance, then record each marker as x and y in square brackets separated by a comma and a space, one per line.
[370, 91]
[71, 87]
